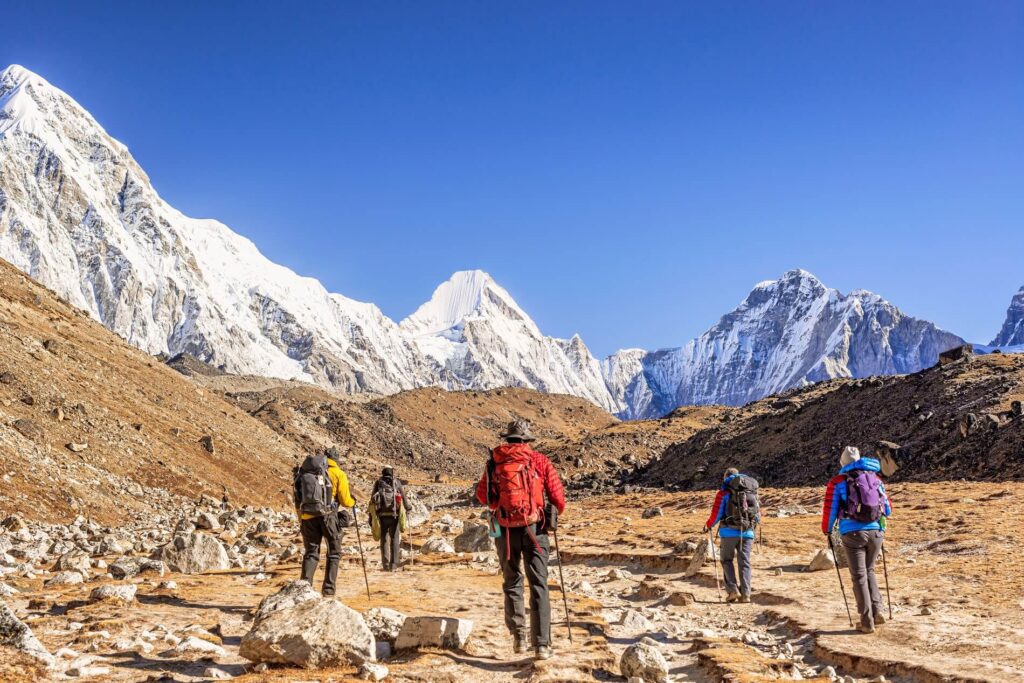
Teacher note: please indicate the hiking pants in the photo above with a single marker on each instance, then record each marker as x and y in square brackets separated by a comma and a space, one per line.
[313, 531]
[516, 547]
[862, 548]
[729, 548]
[390, 542]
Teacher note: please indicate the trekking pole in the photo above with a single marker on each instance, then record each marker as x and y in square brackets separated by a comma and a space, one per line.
[561, 579]
[714, 562]
[885, 569]
[842, 589]
[362, 556]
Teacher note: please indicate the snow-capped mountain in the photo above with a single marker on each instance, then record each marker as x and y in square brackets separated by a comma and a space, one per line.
[1012, 333]
[787, 332]
[480, 336]
[78, 214]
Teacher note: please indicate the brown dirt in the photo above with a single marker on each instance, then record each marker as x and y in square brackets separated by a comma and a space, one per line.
[947, 550]
[65, 379]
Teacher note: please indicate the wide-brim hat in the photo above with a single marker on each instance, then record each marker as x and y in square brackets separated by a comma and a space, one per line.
[518, 429]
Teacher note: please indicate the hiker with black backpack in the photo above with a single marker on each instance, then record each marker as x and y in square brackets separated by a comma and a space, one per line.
[737, 511]
[388, 515]
[856, 498]
[320, 487]
[514, 486]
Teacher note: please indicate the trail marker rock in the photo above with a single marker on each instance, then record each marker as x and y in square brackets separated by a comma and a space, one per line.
[700, 557]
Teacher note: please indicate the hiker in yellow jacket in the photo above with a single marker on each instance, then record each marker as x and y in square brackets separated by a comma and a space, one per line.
[321, 488]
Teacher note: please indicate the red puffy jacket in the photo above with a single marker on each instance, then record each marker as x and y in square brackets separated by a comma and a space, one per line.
[541, 465]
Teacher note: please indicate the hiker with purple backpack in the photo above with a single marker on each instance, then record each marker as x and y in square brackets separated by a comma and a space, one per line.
[856, 498]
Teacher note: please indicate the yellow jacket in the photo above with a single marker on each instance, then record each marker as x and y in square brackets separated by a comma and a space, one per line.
[339, 483]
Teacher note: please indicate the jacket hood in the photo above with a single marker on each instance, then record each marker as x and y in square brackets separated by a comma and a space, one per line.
[511, 451]
[868, 464]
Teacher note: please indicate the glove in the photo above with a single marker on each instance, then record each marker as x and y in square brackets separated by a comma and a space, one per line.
[550, 518]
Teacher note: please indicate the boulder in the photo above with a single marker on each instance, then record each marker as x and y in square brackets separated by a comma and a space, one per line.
[633, 620]
[205, 520]
[65, 579]
[652, 512]
[644, 660]
[292, 594]
[837, 543]
[122, 593]
[444, 632]
[15, 634]
[194, 646]
[75, 561]
[437, 545]
[821, 562]
[416, 511]
[474, 540]
[373, 672]
[127, 567]
[194, 554]
[956, 353]
[888, 453]
[384, 623]
[314, 634]
[700, 556]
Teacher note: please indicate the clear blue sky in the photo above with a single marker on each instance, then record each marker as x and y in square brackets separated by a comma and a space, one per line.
[627, 170]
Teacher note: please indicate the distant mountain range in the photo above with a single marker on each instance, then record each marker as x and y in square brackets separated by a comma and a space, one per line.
[80, 215]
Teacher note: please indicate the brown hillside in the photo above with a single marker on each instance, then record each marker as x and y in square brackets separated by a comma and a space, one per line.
[954, 421]
[64, 379]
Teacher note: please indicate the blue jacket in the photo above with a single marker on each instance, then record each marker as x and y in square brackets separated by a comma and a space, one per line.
[836, 495]
[718, 509]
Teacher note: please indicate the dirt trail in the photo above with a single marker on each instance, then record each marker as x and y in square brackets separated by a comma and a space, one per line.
[946, 554]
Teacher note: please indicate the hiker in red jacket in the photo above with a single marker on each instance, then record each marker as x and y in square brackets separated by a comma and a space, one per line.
[513, 487]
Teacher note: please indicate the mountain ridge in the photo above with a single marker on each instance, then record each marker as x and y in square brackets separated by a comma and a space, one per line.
[78, 213]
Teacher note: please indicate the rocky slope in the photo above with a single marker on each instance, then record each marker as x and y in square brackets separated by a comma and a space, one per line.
[90, 425]
[79, 214]
[959, 420]
[1012, 332]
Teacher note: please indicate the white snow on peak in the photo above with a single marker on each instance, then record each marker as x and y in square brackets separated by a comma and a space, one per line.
[466, 294]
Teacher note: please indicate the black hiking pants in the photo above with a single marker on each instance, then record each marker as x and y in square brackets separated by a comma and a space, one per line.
[390, 543]
[313, 531]
[516, 548]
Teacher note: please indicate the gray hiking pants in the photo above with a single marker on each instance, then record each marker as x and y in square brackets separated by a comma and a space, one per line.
[728, 552]
[862, 548]
[390, 543]
[516, 548]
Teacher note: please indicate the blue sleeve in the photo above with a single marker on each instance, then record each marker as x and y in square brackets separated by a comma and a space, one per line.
[887, 508]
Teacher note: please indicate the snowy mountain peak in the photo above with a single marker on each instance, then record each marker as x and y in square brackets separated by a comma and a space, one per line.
[1012, 332]
[466, 294]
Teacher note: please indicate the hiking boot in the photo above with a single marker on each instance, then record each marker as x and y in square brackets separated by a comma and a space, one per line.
[732, 597]
[543, 652]
[328, 594]
[744, 598]
[865, 629]
[519, 643]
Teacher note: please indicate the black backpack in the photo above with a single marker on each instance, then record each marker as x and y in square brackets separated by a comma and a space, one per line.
[744, 507]
[313, 492]
[385, 497]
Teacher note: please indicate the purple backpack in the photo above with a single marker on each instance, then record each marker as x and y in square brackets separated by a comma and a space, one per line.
[863, 496]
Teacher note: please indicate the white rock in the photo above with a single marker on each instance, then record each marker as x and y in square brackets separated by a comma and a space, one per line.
[216, 674]
[437, 545]
[15, 634]
[700, 556]
[290, 595]
[313, 634]
[123, 593]
[444, 632]
[195, 554]
[65, 579]
[633, 620]
[822, 561]
[384, 623]
[370, 671]
[644, 661]
[193, 645]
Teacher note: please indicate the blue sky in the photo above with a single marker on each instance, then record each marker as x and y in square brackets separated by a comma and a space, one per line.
[626, 170]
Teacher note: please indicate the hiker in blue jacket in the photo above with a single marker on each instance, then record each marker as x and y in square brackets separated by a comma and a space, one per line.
[856, 498]
[738, 509]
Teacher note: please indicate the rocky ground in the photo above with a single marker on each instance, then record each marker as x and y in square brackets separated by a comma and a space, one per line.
[108, 604]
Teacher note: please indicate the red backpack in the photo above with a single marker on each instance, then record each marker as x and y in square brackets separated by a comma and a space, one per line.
[515, 487]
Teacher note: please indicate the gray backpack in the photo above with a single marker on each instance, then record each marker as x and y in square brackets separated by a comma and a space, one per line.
[313, 494]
